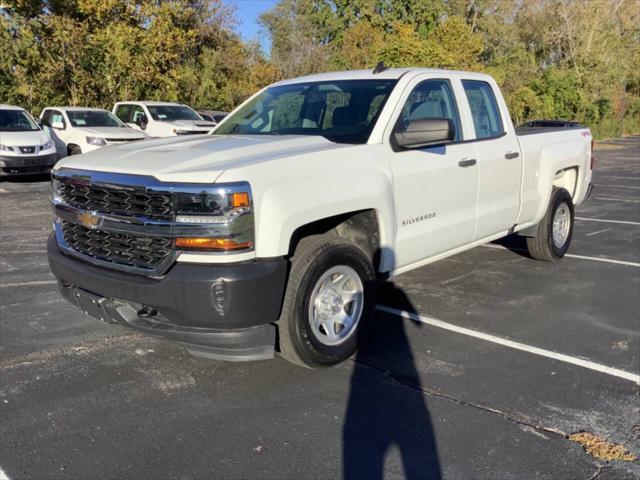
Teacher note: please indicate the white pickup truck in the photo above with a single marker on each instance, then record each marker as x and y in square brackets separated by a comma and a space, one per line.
[276, 228]
[77, 130]
[162, 119]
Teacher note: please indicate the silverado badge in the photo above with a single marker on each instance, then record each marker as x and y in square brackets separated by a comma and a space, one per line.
[88, 219]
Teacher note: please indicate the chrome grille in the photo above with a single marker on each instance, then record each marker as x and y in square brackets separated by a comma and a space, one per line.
[114, 200]
[135, 251]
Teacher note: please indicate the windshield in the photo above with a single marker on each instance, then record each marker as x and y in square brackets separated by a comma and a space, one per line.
[93, 118]
[341, 111]
[16, 121]
[167, 113]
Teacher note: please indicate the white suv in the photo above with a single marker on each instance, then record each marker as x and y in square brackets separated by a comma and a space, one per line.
[162, 119]
[81, 129]
[24, 148]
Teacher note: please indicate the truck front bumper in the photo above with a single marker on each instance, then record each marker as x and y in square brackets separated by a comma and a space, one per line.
[224, 311]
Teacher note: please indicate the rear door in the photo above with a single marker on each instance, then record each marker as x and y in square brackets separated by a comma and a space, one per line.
[497, 152]
[434, 187]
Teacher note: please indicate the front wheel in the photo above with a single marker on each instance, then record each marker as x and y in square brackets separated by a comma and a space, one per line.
[329, 302]
[555, 230]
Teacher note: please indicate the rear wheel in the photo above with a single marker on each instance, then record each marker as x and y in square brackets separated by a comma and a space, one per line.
[329, 302]
[555, 230]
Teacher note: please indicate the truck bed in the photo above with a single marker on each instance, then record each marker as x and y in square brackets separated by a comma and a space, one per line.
[545, 126]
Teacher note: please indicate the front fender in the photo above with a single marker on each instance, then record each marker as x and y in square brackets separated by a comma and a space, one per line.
[292, 192]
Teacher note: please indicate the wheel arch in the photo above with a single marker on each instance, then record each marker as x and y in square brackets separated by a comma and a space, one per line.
[361, 227]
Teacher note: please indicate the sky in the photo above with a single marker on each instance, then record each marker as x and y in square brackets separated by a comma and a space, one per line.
[248, 12]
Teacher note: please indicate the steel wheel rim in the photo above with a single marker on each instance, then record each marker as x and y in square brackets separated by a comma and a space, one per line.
[561, 225]
[336, 304]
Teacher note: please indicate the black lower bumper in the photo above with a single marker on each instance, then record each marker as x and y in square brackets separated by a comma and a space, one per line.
[219, 311]
[28, 165]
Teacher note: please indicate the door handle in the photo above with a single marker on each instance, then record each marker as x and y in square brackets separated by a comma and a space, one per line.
[467, 162]
[510, 155]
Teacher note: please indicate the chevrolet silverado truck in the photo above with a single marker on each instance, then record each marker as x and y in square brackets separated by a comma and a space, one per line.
[273, 231]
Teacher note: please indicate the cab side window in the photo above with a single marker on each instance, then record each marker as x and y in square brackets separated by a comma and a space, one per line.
[137, 114]
[484, 109]
[123, 112]
[431, 99]
[46, 118]
[56, 118]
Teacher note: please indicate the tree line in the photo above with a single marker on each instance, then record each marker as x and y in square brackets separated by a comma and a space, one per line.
[569, 59]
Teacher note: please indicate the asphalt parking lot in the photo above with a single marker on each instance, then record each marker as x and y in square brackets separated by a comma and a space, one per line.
[480, 366]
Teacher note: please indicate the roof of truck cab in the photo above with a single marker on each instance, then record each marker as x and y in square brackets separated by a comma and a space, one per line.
[149, 103]
[76, 109]
[9, 107]
[389, 74]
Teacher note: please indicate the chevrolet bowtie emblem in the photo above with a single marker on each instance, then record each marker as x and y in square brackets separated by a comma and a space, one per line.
[88, 219]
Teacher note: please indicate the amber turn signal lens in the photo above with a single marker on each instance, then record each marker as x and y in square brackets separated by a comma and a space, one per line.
[204, 243]
[240, 199]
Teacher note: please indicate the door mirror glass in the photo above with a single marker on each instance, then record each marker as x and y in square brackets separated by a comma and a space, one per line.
[426, 132]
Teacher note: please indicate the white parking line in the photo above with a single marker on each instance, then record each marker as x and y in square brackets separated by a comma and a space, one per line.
[616, 186]
[3, 476]
[623, 222]
[610, 199]
[571, 255]
[28, 284]
[596, 233]
[619, 176]
[511, 344]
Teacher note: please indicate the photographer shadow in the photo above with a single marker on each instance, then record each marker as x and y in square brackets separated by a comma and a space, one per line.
[390, 413]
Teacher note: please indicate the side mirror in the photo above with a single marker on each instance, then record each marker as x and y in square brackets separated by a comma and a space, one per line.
[142, 122]
[426, 132]
[57, 125]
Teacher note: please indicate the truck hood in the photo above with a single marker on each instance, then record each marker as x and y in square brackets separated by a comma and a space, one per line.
[111, 132]
[23, 139]
[195, 159]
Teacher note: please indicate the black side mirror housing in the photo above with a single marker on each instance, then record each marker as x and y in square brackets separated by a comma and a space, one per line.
[425, 132]
[143, 122]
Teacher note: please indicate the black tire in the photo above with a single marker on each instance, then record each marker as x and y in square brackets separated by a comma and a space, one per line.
[313, 258]
[74, 150]
[542, 246]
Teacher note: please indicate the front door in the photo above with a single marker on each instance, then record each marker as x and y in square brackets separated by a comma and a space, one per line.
[435, 187]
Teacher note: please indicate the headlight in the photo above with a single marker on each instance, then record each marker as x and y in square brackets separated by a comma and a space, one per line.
[96, 141]
[47, 145]
[56, 196]
[6, 148]
[217, 219]
[178, 131]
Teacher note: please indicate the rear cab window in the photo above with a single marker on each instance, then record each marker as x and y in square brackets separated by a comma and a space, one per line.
[484, 109]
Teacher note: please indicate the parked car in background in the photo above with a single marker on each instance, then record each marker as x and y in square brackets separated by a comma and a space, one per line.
[24, 148]
[274, 229]
[162, 119]
[80, 129]
[215, 116]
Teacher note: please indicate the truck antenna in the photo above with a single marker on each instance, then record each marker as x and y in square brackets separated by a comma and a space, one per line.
[380, 67]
